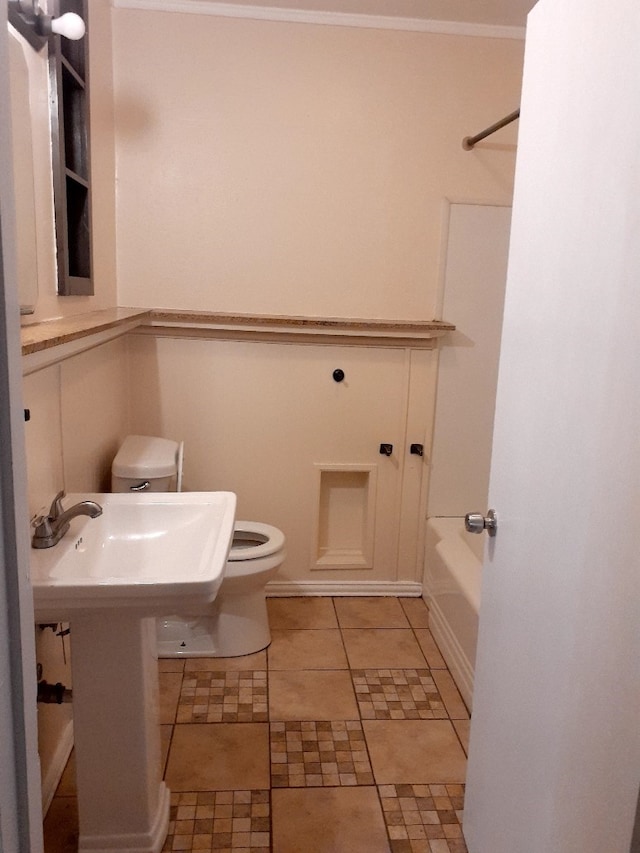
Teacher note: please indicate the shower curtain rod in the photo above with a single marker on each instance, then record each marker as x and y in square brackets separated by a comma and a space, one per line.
[469, 141]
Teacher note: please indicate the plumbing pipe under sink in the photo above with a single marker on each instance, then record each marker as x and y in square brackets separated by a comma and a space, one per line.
[53, 694]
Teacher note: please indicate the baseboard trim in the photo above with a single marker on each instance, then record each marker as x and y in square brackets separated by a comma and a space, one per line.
[59, 760]
[344, 588]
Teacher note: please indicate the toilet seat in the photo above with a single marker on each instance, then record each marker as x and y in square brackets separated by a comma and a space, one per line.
[270, 539]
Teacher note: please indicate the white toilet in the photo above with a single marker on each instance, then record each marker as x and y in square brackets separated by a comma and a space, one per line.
[237, 623]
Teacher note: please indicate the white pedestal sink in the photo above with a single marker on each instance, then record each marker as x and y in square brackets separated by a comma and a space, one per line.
[146, 555]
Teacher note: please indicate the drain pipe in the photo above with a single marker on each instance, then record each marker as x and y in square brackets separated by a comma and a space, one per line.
[53, 693]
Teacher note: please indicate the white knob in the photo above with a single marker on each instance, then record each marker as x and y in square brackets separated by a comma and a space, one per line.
[69, 25]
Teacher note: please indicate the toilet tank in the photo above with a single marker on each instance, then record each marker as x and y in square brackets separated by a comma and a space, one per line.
[146, 463]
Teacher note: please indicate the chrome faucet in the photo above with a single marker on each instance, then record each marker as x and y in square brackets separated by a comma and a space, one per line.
[49, 529]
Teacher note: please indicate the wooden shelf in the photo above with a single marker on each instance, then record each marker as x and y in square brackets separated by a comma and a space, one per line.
[364, 332]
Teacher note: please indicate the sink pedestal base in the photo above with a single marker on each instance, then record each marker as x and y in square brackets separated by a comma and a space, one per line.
[123, 803]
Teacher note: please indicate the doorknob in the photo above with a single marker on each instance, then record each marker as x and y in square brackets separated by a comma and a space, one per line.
[475, 522]
[386, 449]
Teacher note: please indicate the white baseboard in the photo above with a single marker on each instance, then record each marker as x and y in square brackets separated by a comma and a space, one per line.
[343, 588]
[59, 760]
[459, 665]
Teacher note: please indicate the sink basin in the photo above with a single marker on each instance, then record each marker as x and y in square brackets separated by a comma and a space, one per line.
[152, 553]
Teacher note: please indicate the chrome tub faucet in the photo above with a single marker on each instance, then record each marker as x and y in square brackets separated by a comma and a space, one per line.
[49, 529]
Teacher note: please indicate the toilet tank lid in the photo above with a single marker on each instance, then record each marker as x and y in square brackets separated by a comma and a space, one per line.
[146, 456]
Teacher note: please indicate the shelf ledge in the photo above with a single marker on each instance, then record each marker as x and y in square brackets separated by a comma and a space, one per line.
[295, 328]
[53, 333]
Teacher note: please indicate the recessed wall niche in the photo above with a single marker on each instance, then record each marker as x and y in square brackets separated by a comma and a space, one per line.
[345, 517]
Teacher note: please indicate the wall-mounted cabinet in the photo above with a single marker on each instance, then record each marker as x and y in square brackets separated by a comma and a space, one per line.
[69, 93]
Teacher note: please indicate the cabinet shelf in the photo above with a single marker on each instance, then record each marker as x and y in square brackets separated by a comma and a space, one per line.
[73, 176]
[68, 71]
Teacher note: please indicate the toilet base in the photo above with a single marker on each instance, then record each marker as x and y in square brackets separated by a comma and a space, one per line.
[177, 637]
[238, 625]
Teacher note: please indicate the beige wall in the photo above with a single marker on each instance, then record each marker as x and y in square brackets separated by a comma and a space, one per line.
[265, 419]
[476, 275]
[294, 169]
[79, 413]
[298, 169]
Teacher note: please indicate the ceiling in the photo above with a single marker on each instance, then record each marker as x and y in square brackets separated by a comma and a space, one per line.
[508, 13]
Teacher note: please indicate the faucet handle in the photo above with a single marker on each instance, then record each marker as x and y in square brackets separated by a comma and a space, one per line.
[56, 507]
[42, 526]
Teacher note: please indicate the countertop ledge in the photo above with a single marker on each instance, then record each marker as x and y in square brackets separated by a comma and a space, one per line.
[52, 333]
[296, 322]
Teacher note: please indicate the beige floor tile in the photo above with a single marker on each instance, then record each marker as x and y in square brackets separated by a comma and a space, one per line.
[381, 648]
[301, 612]
[311, 695]
[307, 650]
[452, 699]
[170, 684]
[379, 612]
[242, 662]
[224, 697]
[397, 694]
[165, 743]
[224, 821]
[463, 728]
[171, 664]
[430, 649]
[219, 757]
[414, 752]
[416, 612]
[424, 818]
[314, 754]
[61, 826]
[328, 820]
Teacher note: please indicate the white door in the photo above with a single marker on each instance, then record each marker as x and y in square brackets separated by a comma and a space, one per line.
[20, 809]
[554, 762]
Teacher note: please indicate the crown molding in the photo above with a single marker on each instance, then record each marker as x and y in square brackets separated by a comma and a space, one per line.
[328, 19]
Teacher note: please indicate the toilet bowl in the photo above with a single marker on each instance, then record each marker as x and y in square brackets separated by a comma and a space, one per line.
[236, 622]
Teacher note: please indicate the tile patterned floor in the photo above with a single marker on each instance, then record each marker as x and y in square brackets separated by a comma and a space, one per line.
[222, 820]
[223, 697]
[424, 818]
[308, 754]
[348, 734]
[397, 694]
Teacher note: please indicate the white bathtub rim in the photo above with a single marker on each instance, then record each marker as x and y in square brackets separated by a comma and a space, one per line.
[457, 662]
[452, 582]
[464, 565]
[465, 569]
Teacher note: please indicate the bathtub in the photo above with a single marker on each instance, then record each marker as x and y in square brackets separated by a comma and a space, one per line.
[453, 569]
